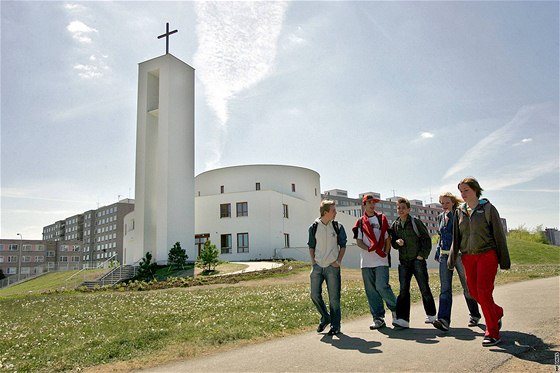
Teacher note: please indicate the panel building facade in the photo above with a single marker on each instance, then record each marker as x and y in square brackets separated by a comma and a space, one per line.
[99, 232]
[428, 214]
[27, 258]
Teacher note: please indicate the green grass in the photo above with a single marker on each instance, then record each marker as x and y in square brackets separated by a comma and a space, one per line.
[527, 252]
[51, 281]
[71, 330]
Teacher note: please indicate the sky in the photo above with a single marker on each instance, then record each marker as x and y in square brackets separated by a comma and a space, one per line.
[399, 98]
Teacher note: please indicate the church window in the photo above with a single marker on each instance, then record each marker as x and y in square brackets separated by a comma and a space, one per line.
[226, 243]
[225, 210]
[242, 242]
[242, 209]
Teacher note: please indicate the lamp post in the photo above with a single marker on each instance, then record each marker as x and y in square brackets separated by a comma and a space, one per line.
[19, 256]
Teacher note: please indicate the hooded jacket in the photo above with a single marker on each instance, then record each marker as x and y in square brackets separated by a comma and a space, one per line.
[478, 233]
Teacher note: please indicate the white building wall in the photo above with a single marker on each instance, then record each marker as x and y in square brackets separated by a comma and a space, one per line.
[164, 157]
[351, 257]
[265, 222]
[131, 252]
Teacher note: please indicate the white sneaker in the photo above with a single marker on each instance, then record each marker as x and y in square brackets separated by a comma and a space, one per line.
[430, 319]
[401, 323]
[377, 323]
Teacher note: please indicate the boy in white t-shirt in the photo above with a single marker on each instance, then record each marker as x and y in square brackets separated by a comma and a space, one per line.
[372, 236]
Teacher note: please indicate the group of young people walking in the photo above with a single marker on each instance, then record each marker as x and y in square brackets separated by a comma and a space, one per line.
[471, 241]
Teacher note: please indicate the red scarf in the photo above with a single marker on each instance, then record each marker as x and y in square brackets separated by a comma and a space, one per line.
[367, 229]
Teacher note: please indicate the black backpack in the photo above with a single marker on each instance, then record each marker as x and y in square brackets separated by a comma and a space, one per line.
[334, 224]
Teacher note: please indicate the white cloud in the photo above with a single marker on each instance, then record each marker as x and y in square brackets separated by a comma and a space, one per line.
[514, 175]
[80, 31]
[500, 169]
[237, 48]
[523, 141]
[426, 135]
[296, 40]
[73, 7]
[95, 69]
[34, 194]
[88, 71]
[490, 145]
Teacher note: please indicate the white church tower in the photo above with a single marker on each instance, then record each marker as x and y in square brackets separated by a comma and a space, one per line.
[164, 194]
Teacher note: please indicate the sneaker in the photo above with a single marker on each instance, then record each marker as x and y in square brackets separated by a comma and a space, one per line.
[430, 319]
[394, 314]
[377, 323]
[333, 331]
[473, 321]
[489, 341]
[441, 324]
[322, 327]
[401, 323]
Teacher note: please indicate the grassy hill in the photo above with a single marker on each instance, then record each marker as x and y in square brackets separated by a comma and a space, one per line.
[135, 329]
[52, 281]
[71, 279]
[527, 252]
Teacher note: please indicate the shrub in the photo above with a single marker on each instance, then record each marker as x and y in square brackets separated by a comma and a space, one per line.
[208, 258]
[177, 257]
[522, 233]
[147, 268]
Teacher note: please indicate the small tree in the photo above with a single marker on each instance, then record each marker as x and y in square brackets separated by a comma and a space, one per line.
[208, 258]
[2, 275]
[147, 270]
[177, 257]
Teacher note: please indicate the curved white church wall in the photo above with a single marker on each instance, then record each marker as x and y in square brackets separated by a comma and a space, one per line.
[296, 187]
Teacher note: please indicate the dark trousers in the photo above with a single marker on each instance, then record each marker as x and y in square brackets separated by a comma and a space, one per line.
[418, 269]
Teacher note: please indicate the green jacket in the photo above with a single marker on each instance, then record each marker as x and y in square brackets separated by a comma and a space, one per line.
[414, 244]
[478, 233]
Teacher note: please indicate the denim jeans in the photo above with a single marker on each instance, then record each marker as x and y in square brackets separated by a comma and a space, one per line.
[376, 285]
[418, 269]
[446, 294]
[331, 275]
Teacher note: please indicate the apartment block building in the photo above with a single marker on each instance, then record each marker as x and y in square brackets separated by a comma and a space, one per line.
[55, 231]
[100, 232]
[33, 257]
[353, 206]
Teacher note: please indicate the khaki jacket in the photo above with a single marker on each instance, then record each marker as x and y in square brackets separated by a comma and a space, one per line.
[478, 233]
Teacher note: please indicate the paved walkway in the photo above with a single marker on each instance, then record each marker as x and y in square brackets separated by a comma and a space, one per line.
[531, 315]
[256, 266]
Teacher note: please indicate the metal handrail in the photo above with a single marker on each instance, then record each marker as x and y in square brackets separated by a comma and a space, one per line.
[85, 269]
[119, 268]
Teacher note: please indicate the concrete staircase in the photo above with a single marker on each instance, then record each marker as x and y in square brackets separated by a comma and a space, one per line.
[112, 277]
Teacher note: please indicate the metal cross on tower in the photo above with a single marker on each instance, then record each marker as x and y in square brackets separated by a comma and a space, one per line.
[166, 35]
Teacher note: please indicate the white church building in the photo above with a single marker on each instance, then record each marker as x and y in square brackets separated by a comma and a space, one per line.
[249, 212]
[255, 211]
